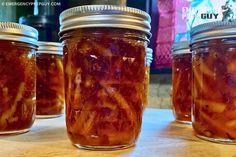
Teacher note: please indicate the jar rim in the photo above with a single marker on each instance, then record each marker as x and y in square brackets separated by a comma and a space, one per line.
[50, 48]
[181, 47]
[89, 16]
[213, 30]
[18, 32]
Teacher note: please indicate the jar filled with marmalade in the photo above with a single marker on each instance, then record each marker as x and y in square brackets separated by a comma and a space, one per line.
[182, 81]
[149, 59]
[105, 65]
[214, 81]
[18, 45]
[50, 80]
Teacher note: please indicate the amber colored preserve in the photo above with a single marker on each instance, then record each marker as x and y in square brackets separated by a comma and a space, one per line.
[17, 87]
[104, 80]
[182, 79]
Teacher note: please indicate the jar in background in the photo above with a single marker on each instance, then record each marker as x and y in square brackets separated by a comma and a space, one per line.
[182, 81]
[147, 76]
[104, 74]
[50, 80]
[17, 81]
[213, 47]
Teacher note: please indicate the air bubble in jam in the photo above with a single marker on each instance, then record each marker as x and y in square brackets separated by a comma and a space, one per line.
[181, 78]
[17, 87]
[50, 85]
[105, 87]
[214, 93]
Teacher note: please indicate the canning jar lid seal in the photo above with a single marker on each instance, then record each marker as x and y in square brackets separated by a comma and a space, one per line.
[213, 30]
[50, 48]
[18, 32]
[105, 16]
[181, 47]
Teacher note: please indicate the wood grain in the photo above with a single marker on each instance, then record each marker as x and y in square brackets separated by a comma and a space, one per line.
[160, 137]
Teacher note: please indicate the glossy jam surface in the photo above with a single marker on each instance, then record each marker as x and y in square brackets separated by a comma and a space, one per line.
[182, 86]
[214, 90]
[17, 87]
[104, 85]
[50, 85]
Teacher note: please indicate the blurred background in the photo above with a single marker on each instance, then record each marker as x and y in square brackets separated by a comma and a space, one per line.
[44, 17]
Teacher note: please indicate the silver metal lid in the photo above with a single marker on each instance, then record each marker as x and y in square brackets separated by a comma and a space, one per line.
[149, 53]
[50, 48]
[149, 56]
[18, 32]
[213, 30]
[181, 47]
[105, 16]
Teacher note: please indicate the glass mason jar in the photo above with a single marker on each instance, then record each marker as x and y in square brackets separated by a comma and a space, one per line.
[214, 81]
[17, 81]
[50, 80]
[104, 62]
[182, 81]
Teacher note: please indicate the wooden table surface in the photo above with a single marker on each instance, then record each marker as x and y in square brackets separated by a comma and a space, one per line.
[160, 137]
